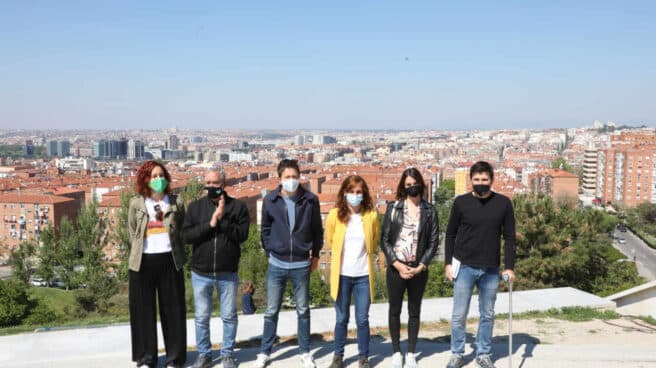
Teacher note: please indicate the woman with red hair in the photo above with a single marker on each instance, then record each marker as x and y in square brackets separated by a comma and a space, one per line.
[352, 233]
[156, 260]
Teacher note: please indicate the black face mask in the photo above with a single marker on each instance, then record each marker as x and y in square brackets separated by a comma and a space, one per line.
[481, 189]
[415, 190]
[214, 192]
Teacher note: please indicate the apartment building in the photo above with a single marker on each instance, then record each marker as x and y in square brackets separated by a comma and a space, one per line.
[24, 216]
[627, 175]
[589, 182]
[561, 185]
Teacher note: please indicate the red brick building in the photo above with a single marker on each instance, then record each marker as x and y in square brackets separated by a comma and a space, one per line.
[24, 216]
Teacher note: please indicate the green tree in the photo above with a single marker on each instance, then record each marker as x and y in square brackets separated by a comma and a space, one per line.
[445, 192]
[21, 261]
[319, 290]
[192, 190]
[121, 234]
[67, 254]
[100, 285]
[561, 163]
[558, 245]
[437, 285]
[14, 302]
[253, 264]
[89, 230]
[380, 286]
[444, 196]
[47, 255]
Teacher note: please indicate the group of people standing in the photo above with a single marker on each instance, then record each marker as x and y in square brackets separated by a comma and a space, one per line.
[292, 236]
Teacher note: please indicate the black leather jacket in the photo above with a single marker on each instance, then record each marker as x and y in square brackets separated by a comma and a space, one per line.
[428, 239]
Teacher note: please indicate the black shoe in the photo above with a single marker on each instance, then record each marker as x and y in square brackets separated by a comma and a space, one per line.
[228, 361]
[337, 362]
[484, 361]
[456, 361]
[363, 362]
[203, 361]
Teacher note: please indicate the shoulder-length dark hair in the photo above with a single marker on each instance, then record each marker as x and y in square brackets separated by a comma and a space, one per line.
[401, 193]
[367, 204]
[143, 178]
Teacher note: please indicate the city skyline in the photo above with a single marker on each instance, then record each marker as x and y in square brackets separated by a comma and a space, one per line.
[290, 66]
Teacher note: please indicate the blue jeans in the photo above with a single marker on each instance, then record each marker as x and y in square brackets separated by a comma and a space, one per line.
[276, 281]
[226, 284]
[487, 281]
[359, 288]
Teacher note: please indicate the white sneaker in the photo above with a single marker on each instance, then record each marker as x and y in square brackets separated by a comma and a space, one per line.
[410, 361]
[307, 361]
[261, 361]
[397, 360]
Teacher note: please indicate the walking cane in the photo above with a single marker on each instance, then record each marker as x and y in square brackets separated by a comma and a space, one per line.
[506, 278]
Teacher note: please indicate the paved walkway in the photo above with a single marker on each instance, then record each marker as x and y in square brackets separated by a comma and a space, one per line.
[110, 346]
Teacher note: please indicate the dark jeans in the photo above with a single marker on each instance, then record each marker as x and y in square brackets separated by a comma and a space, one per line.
[157, 278]
[359, 288]
[396, 287]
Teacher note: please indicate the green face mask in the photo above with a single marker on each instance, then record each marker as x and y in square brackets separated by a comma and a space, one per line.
[158, 185]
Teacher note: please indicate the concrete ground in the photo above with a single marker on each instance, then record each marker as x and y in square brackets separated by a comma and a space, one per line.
[550, 343]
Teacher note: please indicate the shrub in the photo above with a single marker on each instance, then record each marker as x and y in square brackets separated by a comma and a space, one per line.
[14, 303]
[41, 314]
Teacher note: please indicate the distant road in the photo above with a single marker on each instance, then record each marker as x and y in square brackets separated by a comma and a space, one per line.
[645, 256]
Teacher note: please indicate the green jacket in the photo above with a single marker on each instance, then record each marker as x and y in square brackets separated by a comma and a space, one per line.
[137, 221]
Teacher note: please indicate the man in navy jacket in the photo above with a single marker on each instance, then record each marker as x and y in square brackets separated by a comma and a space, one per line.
[292, 236]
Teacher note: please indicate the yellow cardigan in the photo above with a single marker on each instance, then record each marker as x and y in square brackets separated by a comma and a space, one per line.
[335, 231]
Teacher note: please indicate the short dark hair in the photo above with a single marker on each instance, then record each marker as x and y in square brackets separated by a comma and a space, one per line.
[288, 164]
[481, 167]
[401, 192]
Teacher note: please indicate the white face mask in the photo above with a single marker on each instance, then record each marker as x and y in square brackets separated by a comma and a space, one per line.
[289, 185]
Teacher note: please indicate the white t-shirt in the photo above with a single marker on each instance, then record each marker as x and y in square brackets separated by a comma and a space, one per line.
[157, 237]
[354, 254]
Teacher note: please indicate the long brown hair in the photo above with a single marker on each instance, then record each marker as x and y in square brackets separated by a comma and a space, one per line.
[367, 204]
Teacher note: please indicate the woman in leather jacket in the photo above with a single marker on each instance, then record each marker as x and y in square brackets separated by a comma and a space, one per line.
[409, 239]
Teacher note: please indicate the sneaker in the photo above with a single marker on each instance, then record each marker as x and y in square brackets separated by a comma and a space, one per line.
[228, 361]
[410, 361]
[363, 362]
[203, 361]
[261, 361]
[307, 361]
[397, 360]
[337, 362]
[456, 361]
[484, 361]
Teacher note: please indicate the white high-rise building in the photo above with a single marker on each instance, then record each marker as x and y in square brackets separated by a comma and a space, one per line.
[589, 183]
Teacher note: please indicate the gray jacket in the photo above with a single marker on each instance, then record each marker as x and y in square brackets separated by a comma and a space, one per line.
[138, 220]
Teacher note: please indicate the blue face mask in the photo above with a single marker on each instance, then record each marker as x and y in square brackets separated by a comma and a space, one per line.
[289, 185]
[354, 199]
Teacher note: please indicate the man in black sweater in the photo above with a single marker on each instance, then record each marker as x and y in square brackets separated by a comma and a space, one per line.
[472, 257]
[216, 226]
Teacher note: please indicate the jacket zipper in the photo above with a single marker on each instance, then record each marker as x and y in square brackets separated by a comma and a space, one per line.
[215, 251]
[214, 258]
[291, 238]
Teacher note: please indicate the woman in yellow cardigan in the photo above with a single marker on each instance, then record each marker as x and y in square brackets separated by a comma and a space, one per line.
[352, 233]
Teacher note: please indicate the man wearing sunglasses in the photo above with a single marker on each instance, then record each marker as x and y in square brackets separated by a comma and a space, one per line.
[216, 225]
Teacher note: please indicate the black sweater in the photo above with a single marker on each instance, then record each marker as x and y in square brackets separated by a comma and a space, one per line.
[473, 234]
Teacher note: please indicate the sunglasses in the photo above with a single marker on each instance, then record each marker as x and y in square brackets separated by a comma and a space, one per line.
[159, 215]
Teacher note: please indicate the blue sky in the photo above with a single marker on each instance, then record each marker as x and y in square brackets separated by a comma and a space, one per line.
[338, 64]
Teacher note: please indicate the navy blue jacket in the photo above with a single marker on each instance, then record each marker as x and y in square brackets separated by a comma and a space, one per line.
[291, 245]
